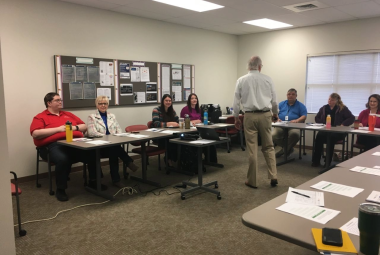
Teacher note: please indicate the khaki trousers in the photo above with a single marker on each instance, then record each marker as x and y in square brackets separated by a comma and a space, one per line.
[293, 137]
[261, 123]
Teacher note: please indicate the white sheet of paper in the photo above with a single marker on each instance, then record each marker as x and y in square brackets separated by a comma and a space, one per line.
[186, 77]
[122, 134]
[176, 74]
[104, 92]
[99, 142]
[154, 130]
[376, 153]
[376, 167]
[135, 74]
[316, 198]
[165, 79]
[351, 227]
[220, 125]
[144, 74]
[311, 212]
[81, 139]
[366, 170]
[169, 131]
[106, 73]
[202, 141]
[282, 123]
[337, 188]
[139, 97]
[314, 127]
[374, 197]
[359, 131]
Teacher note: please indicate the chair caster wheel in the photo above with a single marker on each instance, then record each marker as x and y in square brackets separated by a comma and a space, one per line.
[183, 197]
[228, 151]
[51, 193]
[243, 149]
[216, 186]
[38, 185]
[22, 232]
[219, 197]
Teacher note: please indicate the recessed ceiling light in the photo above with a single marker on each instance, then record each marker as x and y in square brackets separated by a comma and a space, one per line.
[194, 5]
[267, 23]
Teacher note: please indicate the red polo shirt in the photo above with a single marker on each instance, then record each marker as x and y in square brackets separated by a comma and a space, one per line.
[46, 119]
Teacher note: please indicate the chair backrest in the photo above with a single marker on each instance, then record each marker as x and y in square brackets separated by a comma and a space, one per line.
[135, 128]
[230, 120]
[149, 124]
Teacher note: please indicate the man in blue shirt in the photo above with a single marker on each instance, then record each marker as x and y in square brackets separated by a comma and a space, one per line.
[295, 112]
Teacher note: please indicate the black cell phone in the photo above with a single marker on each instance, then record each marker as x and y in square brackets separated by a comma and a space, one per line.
[332, 236]
[135, 132]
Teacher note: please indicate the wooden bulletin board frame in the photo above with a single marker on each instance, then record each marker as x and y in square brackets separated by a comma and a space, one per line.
[125, 91]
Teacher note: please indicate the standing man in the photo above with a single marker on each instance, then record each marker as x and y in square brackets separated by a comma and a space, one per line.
[295, 112]
[255, 92]
[47, 128]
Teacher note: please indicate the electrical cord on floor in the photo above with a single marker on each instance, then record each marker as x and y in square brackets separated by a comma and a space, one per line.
[124, 190]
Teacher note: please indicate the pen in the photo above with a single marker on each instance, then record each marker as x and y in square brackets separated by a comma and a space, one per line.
[295, 192]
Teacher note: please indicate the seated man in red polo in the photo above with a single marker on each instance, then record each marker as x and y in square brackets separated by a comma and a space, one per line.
[47, 128]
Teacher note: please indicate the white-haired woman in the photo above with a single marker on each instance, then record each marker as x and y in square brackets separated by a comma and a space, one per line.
[104, 123]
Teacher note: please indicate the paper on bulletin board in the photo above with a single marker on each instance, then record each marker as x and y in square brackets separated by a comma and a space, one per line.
[135, 74]
[177, 90]
[144, 74]
[104, 92]
[139, 97]
[124, 71]
[89, 90]
[177, 74]
[93, 74]
[106, 73]
[126, 89]
[186, 77]
[76, 90]
[186, 94]
[80, 73]
[68, 73]
[165, 79]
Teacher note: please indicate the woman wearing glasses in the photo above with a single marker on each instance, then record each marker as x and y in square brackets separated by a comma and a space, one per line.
[104, 123]
[373, 107]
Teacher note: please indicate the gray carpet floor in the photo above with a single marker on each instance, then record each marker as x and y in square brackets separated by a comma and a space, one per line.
[157, 221]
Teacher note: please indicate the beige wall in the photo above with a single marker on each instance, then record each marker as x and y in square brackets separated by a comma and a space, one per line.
[34, 31]
[7, 242]
[284, 52]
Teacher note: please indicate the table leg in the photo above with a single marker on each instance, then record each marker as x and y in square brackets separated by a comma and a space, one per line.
[207, 160]
[200, 185]
[228, 143]
[144, 175]
[98, 190]
[328, 157]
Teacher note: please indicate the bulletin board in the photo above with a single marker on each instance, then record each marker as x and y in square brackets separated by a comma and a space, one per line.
[79, 80]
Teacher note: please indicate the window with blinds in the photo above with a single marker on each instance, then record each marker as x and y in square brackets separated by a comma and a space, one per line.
[353, 76]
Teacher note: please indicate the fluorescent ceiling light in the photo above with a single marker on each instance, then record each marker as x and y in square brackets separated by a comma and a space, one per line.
[267, 23]
[194, 5]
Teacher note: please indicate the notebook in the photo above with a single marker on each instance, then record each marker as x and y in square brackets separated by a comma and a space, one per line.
[347, 248]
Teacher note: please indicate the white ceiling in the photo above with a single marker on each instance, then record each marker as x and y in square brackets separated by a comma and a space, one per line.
[229, 19]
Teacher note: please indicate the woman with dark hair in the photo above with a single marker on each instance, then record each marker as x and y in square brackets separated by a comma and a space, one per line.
[340, 116]
[165, 116]
[373, 107]
[192, 109]
[194, 112]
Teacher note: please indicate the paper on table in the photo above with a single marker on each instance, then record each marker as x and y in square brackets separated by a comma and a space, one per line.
[314, 127]
[315, 198]
[81, 139]
[202, 141]
[138, 136]
[376, 167]
[169, 131]
[376, 154]
[310, 212]
[99, 142]
[337, 188]
[359, 131]
[282, 123]
[351, 226]
[374, 197]
[221, 125]
[366, 170]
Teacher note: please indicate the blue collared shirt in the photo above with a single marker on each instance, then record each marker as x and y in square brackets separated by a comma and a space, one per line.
[293, 112]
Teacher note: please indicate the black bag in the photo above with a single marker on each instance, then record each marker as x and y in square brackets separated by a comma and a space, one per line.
[189, 159]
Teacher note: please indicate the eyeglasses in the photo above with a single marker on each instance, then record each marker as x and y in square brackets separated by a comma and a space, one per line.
[58, 100]
[103, 104]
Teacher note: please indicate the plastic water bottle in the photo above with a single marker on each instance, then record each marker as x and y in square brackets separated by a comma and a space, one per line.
[232, 110]
[69, 132]
[328, 121]
[205, 117]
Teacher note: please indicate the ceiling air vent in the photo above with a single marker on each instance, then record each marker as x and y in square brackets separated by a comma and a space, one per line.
[307, 6]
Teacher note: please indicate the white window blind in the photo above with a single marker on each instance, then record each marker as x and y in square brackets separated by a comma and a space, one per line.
[353, 76]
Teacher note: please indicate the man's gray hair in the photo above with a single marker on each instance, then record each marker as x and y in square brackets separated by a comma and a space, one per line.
[254, 63]
[292, 90]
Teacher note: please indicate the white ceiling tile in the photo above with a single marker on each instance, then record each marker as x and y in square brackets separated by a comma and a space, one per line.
[189, 23]
[298, 20]
[328, 15]
[94, 3]
[232, 14]
[262, 8]
[361, 10]
[377, 1]
[140, 13]
[246, 28]
[341, 2]
[229, 2]
[207, 19]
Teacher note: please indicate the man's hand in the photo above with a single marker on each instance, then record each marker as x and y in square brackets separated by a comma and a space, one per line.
[294, 121]
[275, 117]
[237, 123]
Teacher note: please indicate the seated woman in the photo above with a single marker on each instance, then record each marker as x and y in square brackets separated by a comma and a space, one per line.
[340, 116]
[165, 116]
[105, 123]
[194, 112]
[373, 106]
